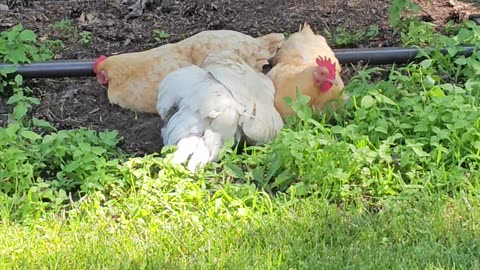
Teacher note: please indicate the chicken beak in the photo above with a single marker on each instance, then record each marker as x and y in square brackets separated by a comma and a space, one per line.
[333, 81]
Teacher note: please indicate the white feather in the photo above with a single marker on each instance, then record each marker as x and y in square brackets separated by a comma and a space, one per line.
[203, 107]
[260, 121]
[185, 148]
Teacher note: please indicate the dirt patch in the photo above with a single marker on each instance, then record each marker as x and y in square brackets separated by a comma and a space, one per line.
[111, 28]
[441, 11]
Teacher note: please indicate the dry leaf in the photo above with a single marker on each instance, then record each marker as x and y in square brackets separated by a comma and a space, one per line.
[86, 18]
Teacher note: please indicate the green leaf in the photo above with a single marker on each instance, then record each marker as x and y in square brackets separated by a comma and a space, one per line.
[432, 116]
[426, 63]
[383, 153]
[337, 129]
[19, 79]
[476, 145]
[382, 130]
[436, 129]
[12, 35]
[437, 92]
[33, 100]
[20, 111]
[12, 129]
[461, 61]
[234, 171]
[452, 51]
[8, 70]
[30, 135]
[28, 35]
[274, 167]
[367, 102]
[303, 99]
[419, 152]
[17, 56]
[464, 35]
[405, 126]
[420, 127]
[285, 177]
[161, 34]
[42, 124]
[70, 167]
[258, 175]
[461, 124]
[98, 150]
[386, 99]
[15, 98]
[299, 189]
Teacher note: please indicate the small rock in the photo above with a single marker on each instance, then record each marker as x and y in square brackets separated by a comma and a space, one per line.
[5, 25]
[4, 7]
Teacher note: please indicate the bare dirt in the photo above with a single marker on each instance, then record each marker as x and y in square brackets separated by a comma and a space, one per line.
[119, 26]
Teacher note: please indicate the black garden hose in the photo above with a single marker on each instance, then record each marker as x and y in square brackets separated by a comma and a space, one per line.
[371, 56]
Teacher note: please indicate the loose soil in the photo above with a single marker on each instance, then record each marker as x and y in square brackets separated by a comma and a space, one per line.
[117, 26]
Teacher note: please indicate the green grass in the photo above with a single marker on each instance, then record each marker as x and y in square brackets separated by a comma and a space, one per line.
[392, 181]
[306, 234]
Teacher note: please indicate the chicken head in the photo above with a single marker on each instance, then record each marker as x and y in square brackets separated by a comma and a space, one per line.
[324, 76]
[101, 74]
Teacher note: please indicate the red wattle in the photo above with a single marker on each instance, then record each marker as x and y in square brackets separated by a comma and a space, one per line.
[98, 61]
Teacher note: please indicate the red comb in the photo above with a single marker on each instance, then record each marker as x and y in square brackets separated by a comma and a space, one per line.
[98, 61]
[326, 62]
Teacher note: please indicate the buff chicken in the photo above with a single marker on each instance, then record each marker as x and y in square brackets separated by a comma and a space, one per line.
[132, 78]
[306, 63]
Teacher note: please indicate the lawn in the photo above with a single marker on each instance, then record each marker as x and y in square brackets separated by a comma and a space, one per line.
[280, 234]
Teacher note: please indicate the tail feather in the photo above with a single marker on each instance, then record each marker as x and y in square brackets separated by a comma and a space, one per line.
[226, 123]
[182, 124]
[304, 27]
[263, 128]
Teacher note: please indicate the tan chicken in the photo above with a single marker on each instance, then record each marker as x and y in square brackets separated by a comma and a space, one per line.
[133, 78]
[306, 62]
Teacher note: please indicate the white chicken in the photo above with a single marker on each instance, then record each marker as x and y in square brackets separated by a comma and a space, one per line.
[203, 107]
